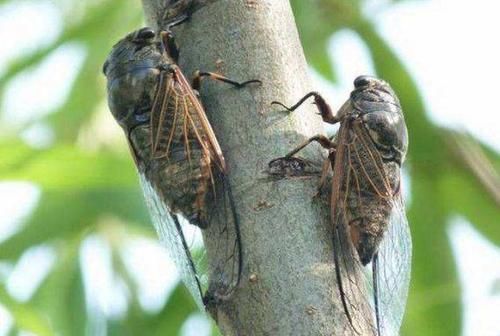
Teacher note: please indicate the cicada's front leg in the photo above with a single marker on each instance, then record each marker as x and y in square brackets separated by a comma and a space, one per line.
[289, 160]
[199, 75]
[324, 109]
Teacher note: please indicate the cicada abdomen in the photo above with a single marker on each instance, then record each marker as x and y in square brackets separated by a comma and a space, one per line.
[367, 209]
[177, 155]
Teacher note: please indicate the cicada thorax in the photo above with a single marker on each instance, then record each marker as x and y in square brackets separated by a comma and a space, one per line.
[132, 70]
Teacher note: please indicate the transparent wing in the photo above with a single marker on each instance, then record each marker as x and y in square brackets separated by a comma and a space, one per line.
[371, 185]
[352, 281]
[394, 268]
[185, 175]
[185, 245]
[173, 238]
[349, 270]
[224, 247]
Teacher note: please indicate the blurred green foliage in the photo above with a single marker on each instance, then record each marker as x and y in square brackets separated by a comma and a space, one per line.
[103, 180]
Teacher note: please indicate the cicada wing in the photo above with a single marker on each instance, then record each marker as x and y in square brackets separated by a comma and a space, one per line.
[393, 261]
[183, 137]
[366, 157]
[348, 267]
[198, 117]
[161, 118]
[224, 247]
[351, 280]
[168, 228]
[394, 268]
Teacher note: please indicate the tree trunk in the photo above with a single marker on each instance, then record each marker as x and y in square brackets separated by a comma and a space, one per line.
[288, 285]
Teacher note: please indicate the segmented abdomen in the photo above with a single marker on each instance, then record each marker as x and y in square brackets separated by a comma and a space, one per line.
[184, 185]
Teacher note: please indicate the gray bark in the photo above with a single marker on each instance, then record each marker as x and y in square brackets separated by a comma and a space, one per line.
[288, 285]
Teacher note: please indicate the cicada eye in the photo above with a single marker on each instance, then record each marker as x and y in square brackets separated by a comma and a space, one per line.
[146, 33]
[105, 67]
[361, 81]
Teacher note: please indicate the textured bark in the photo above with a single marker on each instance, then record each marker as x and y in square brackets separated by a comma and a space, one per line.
[288, 285]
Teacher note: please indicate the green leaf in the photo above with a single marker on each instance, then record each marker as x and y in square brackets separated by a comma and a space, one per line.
[318, 57]
[78, 188]
[87, 92]
[66, 167]
[63, 214]
[179, 307]
[121, 269]
[466, 197]
[61, 295]
[435, 291]
[25, 316]
[315, 37]
[167, 322]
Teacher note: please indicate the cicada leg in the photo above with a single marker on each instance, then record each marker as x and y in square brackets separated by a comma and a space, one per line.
[177, 12]
[324, 109]
[325, 169]
[169, 45]
[198, 76]
[325, 142]
[167, 38]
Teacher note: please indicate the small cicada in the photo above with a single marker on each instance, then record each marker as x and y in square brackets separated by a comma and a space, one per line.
[367, 209]
[178, 158]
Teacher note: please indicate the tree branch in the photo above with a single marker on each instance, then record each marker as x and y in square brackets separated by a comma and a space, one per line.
[288, 282]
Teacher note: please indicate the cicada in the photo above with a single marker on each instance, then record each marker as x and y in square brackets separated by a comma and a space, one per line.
[179, 160]
[367, 209]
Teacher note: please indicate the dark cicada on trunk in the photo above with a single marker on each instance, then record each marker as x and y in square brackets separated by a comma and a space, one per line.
[367, 210]
[177, 155]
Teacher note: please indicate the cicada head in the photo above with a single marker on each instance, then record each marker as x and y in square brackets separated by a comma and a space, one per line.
[379, 108]
[132, 70]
